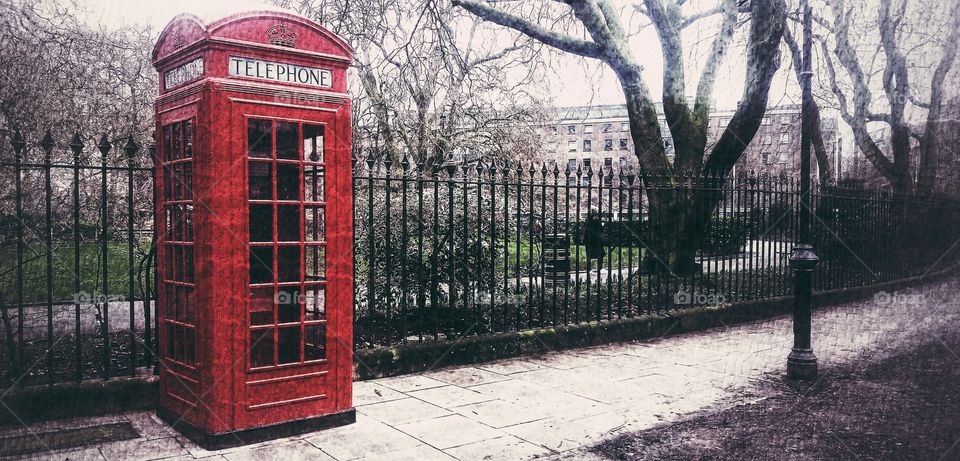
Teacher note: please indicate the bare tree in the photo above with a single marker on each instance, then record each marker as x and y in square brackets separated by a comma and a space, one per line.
[684, 213]
[430, 80]
[892, 52]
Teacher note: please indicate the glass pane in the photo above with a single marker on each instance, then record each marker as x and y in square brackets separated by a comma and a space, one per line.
[261, 348]
[315, 224]
[188, 223]
[288, 264]
[288, 223]
[259, 180]
[176, 192]
[170, 297]
[175, 148]
[258, 138]
[287, 141]
[261, 223]
[313, 184]
[187, 181]
[190, 308]
[316, 303]
[167, 144]
[261, 306]
[187, 139]
[167, 182]
[288, 345]
[177, 223]
[189, 345]
[261, 264]
[288, 182]
[168, 270]
[316, 263]
[188, 263]
[168, 223]
[178, 263]
[179, 351]
[288, 305]
[171, 340]
[313, 143]
[315, 342]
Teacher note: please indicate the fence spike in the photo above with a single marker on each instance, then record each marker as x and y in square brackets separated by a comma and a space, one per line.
[131, 147]
[104, 146]
[18, 143]
[47, 144]
[76, 144]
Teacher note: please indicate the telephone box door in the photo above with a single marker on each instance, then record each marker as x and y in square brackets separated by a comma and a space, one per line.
[291, 328]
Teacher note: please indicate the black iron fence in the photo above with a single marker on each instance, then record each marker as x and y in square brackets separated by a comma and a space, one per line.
[447, 251]
[441, 251]
[76, 259]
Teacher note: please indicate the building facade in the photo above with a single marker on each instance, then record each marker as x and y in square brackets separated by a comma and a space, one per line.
[600, 135]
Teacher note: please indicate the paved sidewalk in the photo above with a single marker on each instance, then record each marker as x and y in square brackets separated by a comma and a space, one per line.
[551, 405]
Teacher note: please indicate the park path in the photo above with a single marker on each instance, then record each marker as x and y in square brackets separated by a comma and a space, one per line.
[552, 405]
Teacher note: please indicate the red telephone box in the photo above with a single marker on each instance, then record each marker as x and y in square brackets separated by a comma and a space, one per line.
[256, 236]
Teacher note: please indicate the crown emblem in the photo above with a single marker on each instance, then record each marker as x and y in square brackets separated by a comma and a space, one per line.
[282, 35]
[179, 41]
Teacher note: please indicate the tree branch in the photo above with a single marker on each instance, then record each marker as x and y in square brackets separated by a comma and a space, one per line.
[557, 40]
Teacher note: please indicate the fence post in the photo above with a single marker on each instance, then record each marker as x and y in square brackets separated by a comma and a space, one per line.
[47, 144]
[104, 146]
[18, 147]
[131, 149]
[76, 145]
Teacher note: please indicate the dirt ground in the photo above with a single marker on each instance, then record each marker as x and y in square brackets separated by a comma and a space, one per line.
[903, 408]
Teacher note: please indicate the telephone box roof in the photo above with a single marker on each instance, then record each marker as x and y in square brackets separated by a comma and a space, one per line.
[187, 31]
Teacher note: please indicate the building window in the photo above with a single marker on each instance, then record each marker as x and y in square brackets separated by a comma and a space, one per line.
[624, 127]
[724, 121]
[784, 157]
[587, 145]
[784, 138]
[607, 127]
[572, 145]
[608, 144]
[587, 129]
[766, 121]
[766, 158]
[571, 129]
[767, 139]
[623, 144]
[571, 164]
[786, 119]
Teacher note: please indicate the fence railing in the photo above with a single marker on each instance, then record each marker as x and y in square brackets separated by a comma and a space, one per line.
[447, 251]
[76, 259]
[441, 251]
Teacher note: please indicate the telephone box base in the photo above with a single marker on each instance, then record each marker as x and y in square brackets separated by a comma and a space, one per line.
[258, 434]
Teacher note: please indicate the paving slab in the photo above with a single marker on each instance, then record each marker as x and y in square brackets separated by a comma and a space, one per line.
[450, 431]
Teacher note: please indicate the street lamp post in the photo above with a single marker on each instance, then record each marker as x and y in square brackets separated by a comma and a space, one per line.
[802, 363]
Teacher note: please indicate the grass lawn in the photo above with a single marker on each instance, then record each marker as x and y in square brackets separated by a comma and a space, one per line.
[91, 278]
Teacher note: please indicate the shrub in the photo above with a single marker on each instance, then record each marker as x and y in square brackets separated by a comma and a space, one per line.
[726, 235]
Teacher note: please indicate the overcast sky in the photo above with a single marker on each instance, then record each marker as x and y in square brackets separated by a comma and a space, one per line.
[576, 84]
